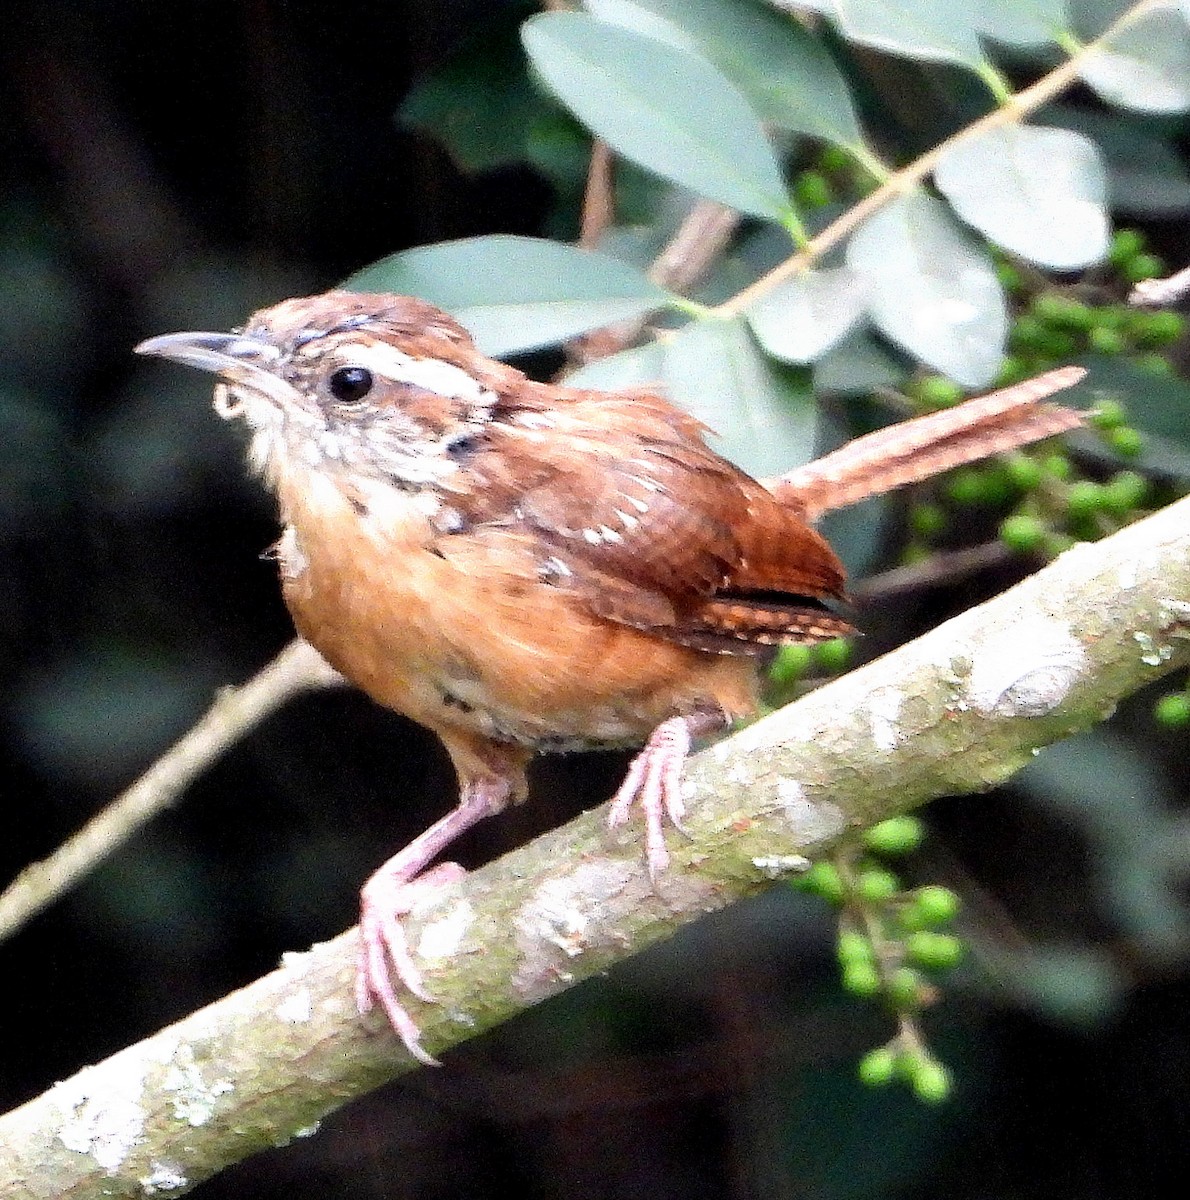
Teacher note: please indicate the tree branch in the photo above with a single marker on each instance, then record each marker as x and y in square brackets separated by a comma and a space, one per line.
[298, 668]
[956, 711]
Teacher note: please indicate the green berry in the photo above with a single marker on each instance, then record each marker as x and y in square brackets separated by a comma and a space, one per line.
[904, 990]
[1063, 312]
[936, 391]
[1162, 328]
[1125, 491]
[935, 951]
[1143, 266]
[1084, 499]
[1126, 441]
[822, 879]
[876, 885]
[833, 655]
[1012, 370]
[932, 905]
[833, 158]
[927, 520]
[1173, 710]
[1057, 466]
[861, 979]
[1011, 280]
[1023, 470]
[790, 664]
[1106, 341]
[1022, 533]
[877, 1067]
[852, 947]
[1028, 333]
[897, 835]
[968, 487]
[1108, 414]
[914, 553]
[1154, 364]
[812, 190]
[931, 1081]
[1126, 244]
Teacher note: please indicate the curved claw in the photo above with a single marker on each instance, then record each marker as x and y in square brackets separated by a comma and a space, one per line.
[654, 781]
[384, 948]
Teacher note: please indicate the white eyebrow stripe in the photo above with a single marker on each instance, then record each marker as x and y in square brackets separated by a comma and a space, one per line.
[431, 374]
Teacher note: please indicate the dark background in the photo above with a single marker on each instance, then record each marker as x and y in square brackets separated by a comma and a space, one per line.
[175, 166]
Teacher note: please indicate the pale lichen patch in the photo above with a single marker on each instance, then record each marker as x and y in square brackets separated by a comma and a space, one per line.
[297, 1008]
[442, 936]
[563, 918]
[1026, 670]
[162, 1177]
[811, 821]
[776, 866]
[193, 1096]
[884, 712]
[1152, 652]
[105, 1123]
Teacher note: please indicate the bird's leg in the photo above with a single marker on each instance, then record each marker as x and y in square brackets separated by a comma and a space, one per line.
[654, 781]
[393, 892]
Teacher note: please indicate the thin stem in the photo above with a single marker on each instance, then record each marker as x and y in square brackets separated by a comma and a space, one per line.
[908, 178]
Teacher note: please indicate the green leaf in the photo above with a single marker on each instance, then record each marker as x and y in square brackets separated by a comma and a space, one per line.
[480, 102]
[782, 68]
[802, 319]
[1038, 192]
[934, 289]
[641, 366]
[1022, 22]
[1146, 67]
[670, 111]
[859, 364]
[1145, 173]
[762, 415]
[516, 293]
[921, 29]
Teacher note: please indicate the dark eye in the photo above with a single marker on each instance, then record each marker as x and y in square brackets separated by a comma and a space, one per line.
[349, 385]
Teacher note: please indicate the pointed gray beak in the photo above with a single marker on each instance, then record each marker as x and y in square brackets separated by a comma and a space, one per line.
[229, 354]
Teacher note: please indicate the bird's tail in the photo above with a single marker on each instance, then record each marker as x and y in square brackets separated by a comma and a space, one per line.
[925, 446]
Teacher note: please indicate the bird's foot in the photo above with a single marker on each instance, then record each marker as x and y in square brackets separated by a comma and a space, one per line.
[384, 955]
[654, 781]
[400, 886]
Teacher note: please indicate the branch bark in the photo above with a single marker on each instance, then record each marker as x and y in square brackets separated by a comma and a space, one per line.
[956, 711]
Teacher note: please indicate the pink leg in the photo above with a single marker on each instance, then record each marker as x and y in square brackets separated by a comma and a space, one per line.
[654, 780]
[393, 891]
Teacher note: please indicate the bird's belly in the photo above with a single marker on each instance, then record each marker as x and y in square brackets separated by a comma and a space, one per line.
[497, 652]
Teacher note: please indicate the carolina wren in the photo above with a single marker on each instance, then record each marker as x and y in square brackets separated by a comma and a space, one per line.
[527, 567]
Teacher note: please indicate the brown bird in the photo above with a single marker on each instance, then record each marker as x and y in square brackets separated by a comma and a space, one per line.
[527, 567]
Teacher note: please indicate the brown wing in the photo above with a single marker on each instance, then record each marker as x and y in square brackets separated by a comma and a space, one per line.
[633, 511]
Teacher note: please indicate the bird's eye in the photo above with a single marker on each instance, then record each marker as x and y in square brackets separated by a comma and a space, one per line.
[350, 385]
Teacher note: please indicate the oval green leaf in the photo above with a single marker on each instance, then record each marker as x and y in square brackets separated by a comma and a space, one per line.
[641, 366]
[1146, 67]
[516, 293]
[668, 110]
[802, 319]
[762, 416]
[921, 29]
[1145, 173]
[784, 70]
[934, 289]
[1022, 22]
[1038, 192]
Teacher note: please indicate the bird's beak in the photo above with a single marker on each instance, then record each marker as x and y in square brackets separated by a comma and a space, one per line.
[247, 362]
[223, 353]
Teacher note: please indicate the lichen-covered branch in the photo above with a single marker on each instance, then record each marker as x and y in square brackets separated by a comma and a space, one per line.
[956, 711]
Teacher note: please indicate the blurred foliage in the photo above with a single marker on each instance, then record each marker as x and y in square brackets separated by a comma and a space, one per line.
[176, 167]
